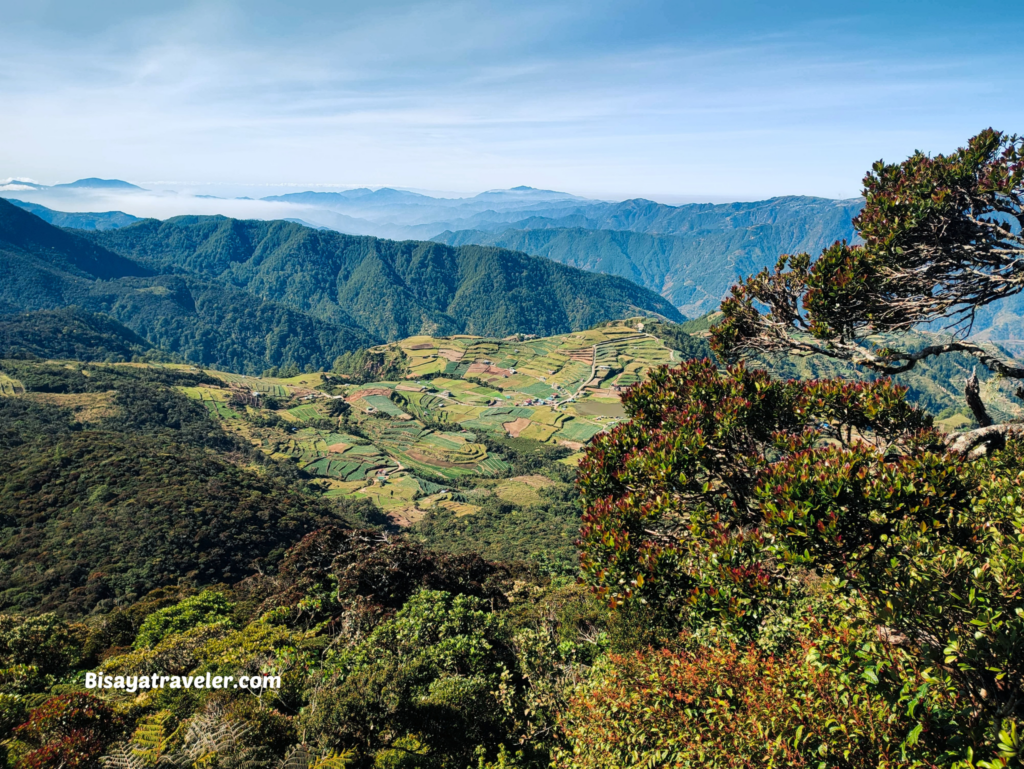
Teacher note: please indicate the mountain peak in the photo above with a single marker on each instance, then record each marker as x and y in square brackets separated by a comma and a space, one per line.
[93, 183]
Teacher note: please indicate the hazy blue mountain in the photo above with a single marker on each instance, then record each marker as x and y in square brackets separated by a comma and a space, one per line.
[401, 214]
[639, 215]
[20, 185]
[99, 184]
[706, 250]
[107, 220]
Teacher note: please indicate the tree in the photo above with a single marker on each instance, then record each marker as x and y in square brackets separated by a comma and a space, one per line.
[943, 236]
[733, 504]
[676, 500]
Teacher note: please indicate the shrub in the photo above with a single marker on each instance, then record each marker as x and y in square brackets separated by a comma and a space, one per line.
[46, 642]
[729, 707]
[207, 608]
[70, 730]
[675, 497]
[426, 677]
[76, 751]
[725, 490]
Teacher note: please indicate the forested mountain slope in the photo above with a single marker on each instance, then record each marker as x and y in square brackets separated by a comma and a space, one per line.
[246, 296]
[68, 333]
[45, 267]
[691, 254]
[693, 270]
[391, 289]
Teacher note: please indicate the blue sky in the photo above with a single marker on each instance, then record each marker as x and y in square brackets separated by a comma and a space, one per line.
[673, 101]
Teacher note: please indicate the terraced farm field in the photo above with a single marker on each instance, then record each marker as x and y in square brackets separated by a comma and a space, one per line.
[530, 388]
[402, 443]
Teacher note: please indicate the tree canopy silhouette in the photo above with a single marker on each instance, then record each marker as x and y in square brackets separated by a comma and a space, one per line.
[943, 236]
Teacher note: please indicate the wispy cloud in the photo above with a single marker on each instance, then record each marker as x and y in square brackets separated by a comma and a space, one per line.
[612, 98]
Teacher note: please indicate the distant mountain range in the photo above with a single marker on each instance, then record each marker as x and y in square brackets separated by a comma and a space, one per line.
[690, 254]
[247, 295]
[92, 183]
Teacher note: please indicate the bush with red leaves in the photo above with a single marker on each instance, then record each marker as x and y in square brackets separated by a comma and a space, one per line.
[70, 730]
[735, 708]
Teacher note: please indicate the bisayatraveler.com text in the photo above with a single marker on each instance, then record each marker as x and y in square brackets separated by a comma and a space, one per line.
[144, 683]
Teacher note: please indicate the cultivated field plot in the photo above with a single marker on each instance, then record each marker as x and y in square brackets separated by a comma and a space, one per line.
[10, 386]
[535, 388]
[214, 399]
[398, 490]
[206, 393]
[305, 413]
[405, 439]
[256, 384]
[352, 465]
[446, 455]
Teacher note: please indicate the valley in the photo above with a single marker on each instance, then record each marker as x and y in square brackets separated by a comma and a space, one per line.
[425, 439]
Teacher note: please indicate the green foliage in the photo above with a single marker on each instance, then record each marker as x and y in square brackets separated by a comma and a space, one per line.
[729, 707]
[207, 608]
[361, 366]
[98, 516]
[726, 489]
[670, 495]
[46, 643]
[366, 575]
[528, 457]
[422, 682]
[543, 534]
[679, 337]
[68, 333]
[22, 420]
[146, 409]
[71, 378]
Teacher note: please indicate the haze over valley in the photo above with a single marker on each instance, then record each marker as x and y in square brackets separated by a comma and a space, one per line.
[691, 254]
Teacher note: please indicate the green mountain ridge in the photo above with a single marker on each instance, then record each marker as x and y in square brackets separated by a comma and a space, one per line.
[105, 220]
[692, 270]
[393, 289]
[246, 296]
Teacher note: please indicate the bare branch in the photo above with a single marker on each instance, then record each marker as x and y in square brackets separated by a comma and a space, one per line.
[973, 393]
[962, 443]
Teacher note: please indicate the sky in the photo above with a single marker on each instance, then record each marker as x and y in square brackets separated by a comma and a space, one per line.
[673, 101]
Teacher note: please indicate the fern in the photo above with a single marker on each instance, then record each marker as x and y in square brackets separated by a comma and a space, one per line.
[124, 755]
[150, 738]
[302, 757]
[333, 760]
[211, 739]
